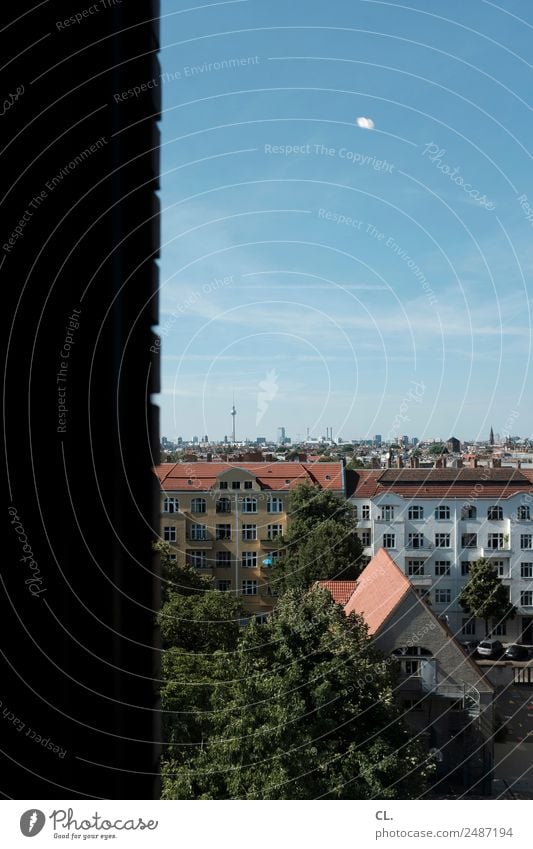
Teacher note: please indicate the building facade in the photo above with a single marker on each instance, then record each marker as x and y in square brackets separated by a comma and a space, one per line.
[226, 519]
[437, 522]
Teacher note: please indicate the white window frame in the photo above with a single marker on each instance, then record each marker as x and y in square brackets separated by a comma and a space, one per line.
[249, 533]
[249, 559]
[249, 504]
[389, 541]
[170, 501]
[198, 505]
[169, 533]
[249, 587]
[442, 540]
[274, 505]
[445, 510]
[415, 513]
[274, 531]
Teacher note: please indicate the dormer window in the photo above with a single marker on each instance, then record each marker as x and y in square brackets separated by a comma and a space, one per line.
[247, 484]
[223, 485]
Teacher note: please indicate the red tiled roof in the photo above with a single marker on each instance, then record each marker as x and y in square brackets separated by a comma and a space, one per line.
[201, 477]
[376, 593]
[440, 483]
[340, 591]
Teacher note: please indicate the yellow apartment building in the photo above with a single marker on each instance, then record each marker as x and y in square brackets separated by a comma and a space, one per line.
[225, 519]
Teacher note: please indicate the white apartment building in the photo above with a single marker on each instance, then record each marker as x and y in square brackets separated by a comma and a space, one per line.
[436, 522]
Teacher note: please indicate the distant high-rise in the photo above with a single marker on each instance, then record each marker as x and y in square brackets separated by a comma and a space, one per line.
[491, 437]
[377, 439]
[281, 435]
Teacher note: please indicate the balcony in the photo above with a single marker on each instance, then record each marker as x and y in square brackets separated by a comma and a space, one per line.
[496, 552]
[421, 549]
[271, 543]
[201, 543]
[420, 580]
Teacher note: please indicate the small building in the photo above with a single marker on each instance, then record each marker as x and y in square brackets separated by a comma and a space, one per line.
[453, 445]
[446, 698]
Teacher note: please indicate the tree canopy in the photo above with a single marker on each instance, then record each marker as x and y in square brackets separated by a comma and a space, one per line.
[302, 709]
[484, 595]
[320, 542]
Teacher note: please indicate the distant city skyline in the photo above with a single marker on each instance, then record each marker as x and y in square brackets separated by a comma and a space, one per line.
[330, 274]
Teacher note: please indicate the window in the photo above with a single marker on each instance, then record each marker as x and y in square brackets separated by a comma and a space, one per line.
[274, 505]
[442, 540]
[223, 559]
[247, 484]
[415, 512]
[415, 567]
[526, 541]
[235, 484]
[274, 531]
[495, 513]
[197, 559]
[223, 532]
[365, 511]
[249, 505]
[389, 540]
[526, 570]
[415, 540]
[249, 532]
[223, 505]
[249, 559]
[249, 587]
[198, 532]
[526, 598]
[495, 541]
[501, 568]
[442, 512]
[443, 596]
[412, 705]
[275, 556]
[171, 505]
[172, 557]
[198, 505]
[469, 512]
[366, 538]
[500, 630]
[354, 512]
[469, 627]
[410, 667]
[522, 514]
[387, 512]
[468, 540]
[169, 533]
[270, 591]
[224, 586]
[465, 567]
[223, 485]
[442, 567]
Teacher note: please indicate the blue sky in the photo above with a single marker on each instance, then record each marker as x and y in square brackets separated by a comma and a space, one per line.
[330, 275]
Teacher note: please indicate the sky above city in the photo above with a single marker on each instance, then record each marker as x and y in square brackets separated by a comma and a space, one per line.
[347, 218]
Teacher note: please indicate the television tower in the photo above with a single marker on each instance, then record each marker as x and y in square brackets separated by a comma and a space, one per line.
[233, 414]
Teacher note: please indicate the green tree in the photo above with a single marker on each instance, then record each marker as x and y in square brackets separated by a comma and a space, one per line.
[304, 710]
[197, 624]
[320, 542]
[437, 448]
[484, 596]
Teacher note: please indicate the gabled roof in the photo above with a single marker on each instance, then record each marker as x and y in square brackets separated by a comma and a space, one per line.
[201, 477]
[380, 588]
[440, 483]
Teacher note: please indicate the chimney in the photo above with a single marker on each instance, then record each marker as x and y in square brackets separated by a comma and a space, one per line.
[519, 464]
[474, 462]
[496, 463]
[443, 461]
[438, 463]
[399, 464]
[412, 463]
[389, 460]
[459, 464]
[209, 457]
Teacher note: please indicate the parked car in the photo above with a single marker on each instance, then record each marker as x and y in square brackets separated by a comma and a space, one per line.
[516, 652]
[489, 648]
[471, 647]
